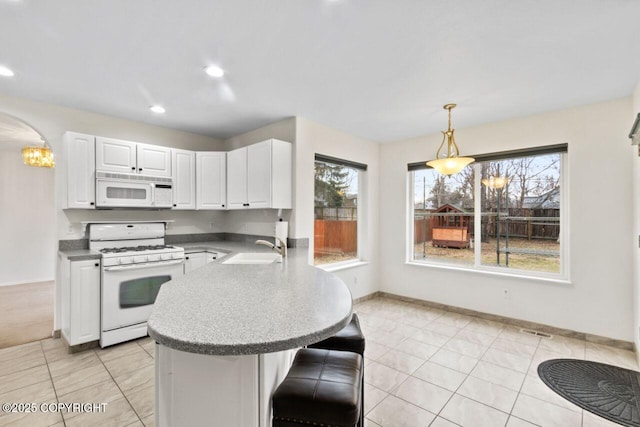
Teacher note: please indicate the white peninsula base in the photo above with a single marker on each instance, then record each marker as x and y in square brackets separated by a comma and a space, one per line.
[198, 390]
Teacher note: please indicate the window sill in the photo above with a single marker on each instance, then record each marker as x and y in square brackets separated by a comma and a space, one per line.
[342, 265]
[491, 272]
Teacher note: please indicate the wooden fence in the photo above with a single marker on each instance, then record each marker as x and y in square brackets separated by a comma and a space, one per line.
[348, 213]
[335, 237]
[523, 223]
[423, 229]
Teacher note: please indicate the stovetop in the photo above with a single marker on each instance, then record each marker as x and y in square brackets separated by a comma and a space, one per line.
[136, 248]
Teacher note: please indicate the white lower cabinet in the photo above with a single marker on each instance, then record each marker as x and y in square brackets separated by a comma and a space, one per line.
[198, 389]
[80, 300]
[198, 259]
[194, 260]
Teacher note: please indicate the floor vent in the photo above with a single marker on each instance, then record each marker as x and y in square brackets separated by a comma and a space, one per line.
[535, 333]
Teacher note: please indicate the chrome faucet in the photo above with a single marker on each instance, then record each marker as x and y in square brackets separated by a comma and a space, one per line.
[282, 250]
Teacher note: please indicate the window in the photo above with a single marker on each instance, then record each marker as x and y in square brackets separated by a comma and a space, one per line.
[336, 210]
[519, 197]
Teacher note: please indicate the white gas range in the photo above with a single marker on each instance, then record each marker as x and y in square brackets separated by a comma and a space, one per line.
[135, 264]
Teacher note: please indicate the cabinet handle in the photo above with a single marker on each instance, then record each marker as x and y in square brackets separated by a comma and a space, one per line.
[140, 169]
[186, 257]
[174, 205]
[97, 264]
[223, 206]
[92, 203]
[133, 168]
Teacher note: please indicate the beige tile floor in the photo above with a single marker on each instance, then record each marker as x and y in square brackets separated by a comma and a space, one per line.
[428, 367]
[424, 367]
[26, 313]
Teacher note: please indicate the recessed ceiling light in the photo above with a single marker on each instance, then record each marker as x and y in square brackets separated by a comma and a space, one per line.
[214, 71]
[5, 72]
[158, 109]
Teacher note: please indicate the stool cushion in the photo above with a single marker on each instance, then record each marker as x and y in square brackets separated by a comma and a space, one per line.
[350, 338]
[322, 387]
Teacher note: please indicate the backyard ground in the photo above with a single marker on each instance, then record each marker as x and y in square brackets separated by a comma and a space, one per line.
[534, 262]
[330, 258]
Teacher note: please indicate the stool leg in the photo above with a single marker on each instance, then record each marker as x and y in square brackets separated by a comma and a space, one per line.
[361, 422]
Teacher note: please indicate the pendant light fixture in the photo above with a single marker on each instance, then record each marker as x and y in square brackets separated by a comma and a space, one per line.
[451, 162]
[34, 155]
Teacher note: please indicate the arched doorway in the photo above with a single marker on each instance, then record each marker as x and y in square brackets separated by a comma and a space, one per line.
[27, 229]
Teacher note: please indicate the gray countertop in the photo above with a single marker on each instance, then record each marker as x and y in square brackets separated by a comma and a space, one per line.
[80, 254]
[225, 309]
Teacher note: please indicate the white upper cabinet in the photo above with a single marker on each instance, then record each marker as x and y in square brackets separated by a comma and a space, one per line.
[184, 179]
[153, 160]
[211, 180]
[259, 176]
[81, 170]
[237, 178]
[116, 155]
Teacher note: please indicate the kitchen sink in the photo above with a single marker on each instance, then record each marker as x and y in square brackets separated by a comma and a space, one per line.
[253, 258]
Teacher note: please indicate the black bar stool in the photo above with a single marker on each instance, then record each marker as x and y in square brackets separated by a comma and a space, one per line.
[349, 338]
[322, 388]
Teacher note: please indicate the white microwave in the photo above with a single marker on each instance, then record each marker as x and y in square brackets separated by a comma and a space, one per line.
[124, 190]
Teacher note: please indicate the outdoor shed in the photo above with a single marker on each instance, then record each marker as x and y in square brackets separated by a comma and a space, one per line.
[451, 227]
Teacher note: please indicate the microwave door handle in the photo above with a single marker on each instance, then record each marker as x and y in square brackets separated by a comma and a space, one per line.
[153, 194]
[140, 266]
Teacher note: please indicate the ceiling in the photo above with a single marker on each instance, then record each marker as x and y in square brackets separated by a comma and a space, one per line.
[378, 69]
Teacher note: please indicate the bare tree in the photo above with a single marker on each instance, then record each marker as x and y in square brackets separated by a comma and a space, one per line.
[532, 175]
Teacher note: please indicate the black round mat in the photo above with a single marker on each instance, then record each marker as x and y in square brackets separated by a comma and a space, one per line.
[605, 390]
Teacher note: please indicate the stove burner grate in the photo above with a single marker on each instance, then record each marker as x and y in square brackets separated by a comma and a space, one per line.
[135, 249]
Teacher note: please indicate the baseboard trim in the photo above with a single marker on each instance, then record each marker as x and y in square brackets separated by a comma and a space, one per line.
[596, 339]
[367, 297]
[80, 347]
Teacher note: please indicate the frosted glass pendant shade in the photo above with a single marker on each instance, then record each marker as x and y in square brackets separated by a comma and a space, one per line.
[451, 165]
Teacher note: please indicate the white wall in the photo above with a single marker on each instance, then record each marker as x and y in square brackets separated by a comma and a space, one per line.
[635, 238]
[598, 300]
[27, 220]
[312, 138]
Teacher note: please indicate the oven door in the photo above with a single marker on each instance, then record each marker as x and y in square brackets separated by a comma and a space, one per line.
[113, 193]
[129, 291]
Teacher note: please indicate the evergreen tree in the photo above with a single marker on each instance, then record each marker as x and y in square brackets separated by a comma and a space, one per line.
[331, 181]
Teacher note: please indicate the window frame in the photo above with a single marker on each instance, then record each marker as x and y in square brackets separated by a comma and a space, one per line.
[563, 276]
[361, 216]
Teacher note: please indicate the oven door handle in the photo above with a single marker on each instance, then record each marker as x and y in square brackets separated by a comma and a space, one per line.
[139, 266]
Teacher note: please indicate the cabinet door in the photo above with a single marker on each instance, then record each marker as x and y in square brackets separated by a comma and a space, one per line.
[194, 260]
[115, 155]
[84, 322]
[211, 256]
[259, 175]
[237, 178]
[80, 151]
[153, 160]
[184, 179]
[211, 180]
